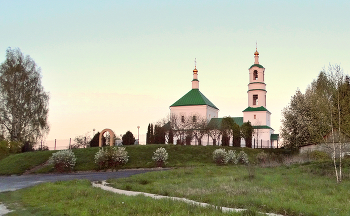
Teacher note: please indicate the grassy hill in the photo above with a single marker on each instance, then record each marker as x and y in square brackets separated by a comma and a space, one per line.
[140, 156]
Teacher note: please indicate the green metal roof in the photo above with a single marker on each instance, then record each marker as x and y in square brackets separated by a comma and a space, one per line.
[251, 109]
[256, 65]
[193, 98]
[261, 127]
[216, 122]
[275, 137]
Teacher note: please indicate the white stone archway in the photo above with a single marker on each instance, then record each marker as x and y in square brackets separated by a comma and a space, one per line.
[111, 140]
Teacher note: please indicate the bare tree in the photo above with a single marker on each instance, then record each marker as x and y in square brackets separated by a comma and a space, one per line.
[82, 141]
[23, 101]
[199, 128]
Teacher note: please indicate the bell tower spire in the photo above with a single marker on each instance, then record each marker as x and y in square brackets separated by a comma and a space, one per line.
[195, 81]
[256, 54]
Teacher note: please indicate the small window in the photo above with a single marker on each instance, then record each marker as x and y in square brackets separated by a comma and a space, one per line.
[255, 99]
[254, 116]
[255, 76]
[182, 119]
[194, 118]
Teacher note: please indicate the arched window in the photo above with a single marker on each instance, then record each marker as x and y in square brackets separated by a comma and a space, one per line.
[255, 99]
[182, 119]
[194, 118]
[255, 75]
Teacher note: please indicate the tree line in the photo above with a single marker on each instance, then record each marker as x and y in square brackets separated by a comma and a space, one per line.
[185, 129]
[321, 115]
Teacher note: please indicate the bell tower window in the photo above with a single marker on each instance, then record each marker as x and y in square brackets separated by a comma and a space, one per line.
[255, 75]
[194, 118]
[255, 99]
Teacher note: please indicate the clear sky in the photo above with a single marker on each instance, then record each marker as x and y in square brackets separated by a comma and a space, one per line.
[121, 64]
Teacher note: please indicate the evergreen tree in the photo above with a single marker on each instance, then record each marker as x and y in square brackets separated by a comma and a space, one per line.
[128, 138]
[94, 142]
[148, 134]
[247, 133]
[151, 137]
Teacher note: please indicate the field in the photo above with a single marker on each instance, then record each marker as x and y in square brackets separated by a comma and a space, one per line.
[287, 188]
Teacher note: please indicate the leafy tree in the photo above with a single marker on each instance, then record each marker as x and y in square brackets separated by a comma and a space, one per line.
[230, 129]
[128, 138]
[24, 105]
[247, 133]
[322, 110]
[236, 135]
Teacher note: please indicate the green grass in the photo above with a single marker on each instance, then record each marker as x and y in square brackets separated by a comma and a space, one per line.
[78, 197]
[140, 156]
[19, 163]
[293, 190]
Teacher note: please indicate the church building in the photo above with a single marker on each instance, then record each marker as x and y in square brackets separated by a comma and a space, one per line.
[194, 106]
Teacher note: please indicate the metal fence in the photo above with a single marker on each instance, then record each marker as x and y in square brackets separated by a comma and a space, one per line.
[263, 144]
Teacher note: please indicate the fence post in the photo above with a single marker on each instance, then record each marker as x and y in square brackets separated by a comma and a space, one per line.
[254, 142]
[55, 144]
[261, 143]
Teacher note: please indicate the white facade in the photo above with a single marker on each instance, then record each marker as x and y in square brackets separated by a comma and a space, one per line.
[202, 111]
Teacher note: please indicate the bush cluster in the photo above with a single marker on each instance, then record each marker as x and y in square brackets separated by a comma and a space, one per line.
[221, 157]
[262, 157]
[160, 156]
[111, 157]
[243, 158]
[63, 160]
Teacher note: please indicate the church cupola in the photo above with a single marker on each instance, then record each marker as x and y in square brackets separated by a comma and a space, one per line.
[195, 81]
[256, 56]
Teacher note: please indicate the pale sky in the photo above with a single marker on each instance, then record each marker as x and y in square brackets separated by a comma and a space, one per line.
[121, 64]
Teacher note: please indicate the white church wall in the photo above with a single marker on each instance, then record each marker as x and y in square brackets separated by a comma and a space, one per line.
[203, 111]
[260, 117]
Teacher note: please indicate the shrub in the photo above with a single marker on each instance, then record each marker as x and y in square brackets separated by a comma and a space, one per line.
[262, 157]
[243, 158]
[319, 155]
[160, 156]
[232, 157]
[220, 156]
[63, 160]
[111, 157]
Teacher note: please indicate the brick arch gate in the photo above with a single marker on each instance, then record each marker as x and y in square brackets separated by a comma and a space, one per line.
[111, 140]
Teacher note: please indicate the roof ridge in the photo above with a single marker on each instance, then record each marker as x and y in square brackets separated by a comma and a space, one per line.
[192, 98]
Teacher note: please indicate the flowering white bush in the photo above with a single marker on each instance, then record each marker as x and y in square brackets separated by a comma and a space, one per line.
[160, 156]
[63, 160]
[111, 157]
[243, 158]
[220, 156]
[262, 157]
[232, 157]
